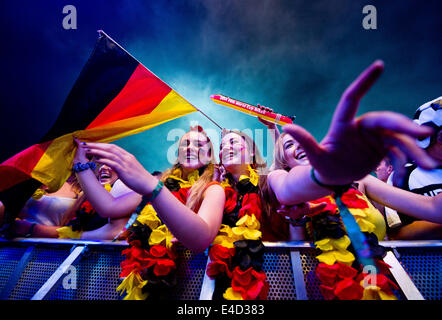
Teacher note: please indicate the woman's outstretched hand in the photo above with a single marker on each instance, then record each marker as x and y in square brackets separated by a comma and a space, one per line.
[298, 211]
[129, 170]
[353, 147]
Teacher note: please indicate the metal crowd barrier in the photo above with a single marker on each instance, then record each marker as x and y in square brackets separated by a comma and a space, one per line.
[52, 269]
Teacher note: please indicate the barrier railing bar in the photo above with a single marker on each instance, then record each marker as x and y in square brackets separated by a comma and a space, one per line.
[16, 275]
[56, 277]
[70, 242]
[407, 286]
[277, 244]
[298, 275]
[208, 285]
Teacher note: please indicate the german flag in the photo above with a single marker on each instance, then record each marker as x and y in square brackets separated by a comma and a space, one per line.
[113, 97]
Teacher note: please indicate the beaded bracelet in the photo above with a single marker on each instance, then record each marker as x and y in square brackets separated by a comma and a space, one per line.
[78, 167]
[301, 222]
[338, 189]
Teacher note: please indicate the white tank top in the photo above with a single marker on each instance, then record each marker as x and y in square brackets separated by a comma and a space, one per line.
[49, 211]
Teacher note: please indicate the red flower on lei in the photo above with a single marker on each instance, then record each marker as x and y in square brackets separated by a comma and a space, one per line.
[181, 194]
[220, 260]
[138, 259]
[331, 206]
[251, 284]
[231, 199]
[351, 199]
[251, 204]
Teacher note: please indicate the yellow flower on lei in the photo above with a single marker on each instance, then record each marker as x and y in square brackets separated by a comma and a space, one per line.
[247, 228]
[330, 257]
[328, 244]
[253, 176]
[133, 285]
[68, 233]
[361, 218]
[226, 237]
[191, 178]
[161, 236]
[148, 216]
[375, 293]
[230, 294]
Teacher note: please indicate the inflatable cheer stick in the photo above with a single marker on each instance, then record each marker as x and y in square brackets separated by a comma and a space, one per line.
[261, 112]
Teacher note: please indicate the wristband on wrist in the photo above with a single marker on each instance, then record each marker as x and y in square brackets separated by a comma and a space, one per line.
[338, 189]
[31, 229]
[298, 222]
[78, 167]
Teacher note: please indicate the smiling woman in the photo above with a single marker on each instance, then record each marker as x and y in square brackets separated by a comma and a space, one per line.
[189, 208]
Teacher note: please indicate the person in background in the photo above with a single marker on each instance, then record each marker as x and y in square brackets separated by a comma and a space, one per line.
[425, 182]
[38, 225]
[383, 171]
[44, 212]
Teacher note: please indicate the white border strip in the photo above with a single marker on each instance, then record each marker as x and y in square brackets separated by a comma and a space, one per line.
[403, 279]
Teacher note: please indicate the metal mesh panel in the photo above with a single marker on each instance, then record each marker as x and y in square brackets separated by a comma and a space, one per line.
[97, 273]
[424, 266]
[278, 268]
[43, 264]
[190, 274]
[9, 258]
[309, 264]
[97, 277]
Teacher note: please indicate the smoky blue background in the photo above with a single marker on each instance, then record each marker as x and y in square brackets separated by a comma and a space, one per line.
[296, 57]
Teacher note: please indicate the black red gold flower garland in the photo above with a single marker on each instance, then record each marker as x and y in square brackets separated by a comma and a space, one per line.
[237, 253]
[339, 272]
[149, 268]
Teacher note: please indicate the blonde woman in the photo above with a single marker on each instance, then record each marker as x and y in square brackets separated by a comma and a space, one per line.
[194, 223]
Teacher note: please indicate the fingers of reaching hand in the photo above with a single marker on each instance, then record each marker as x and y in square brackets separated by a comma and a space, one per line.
[305, 139]
[348, 105]
[398, 160]
[408, 146]
[393, 121]
[316, 207]
[106, 147]
[116, 166]
[300, 210]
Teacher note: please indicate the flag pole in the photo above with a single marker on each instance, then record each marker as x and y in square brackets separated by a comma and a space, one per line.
[102, 33]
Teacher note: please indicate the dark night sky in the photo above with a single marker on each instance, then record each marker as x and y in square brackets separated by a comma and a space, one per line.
[294, 56]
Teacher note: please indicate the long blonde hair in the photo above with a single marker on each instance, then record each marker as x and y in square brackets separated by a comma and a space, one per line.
[195, 194]
[279, 160]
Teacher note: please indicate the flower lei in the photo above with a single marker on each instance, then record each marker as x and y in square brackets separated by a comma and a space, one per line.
[149, 268]
[237, 253]
[338, 271]
[86, 219]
